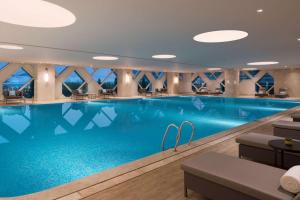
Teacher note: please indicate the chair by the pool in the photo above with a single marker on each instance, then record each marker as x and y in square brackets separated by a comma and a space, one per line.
[296, 116]
[218, 176]
[283, 93]
[202, 91]
[13, 96]
[261, 92]
[255, 146]
[286, 129]
[79, 95]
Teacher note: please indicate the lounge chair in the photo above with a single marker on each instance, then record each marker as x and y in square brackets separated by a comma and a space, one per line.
[217, 91]
[79, 95]
[220, 177]
[202, 91]
[286, 129]
[296, 116]
[261, 92]
[106, 93]
[255, 146]
[13, 97]
[145, 92]
[283, 93]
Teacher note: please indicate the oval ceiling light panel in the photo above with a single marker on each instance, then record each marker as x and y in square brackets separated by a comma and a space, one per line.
[214, 69]
[105, 58]
[163, 56]
[249, 69]
[35, 13]
[263, 63]
[10, 47]
[220, 36]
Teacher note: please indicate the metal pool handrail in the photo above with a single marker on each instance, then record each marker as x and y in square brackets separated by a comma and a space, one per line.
[166, 133]
[178, 136]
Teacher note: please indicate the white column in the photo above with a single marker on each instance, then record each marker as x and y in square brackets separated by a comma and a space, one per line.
[232, 77]
[127, 87]
[172, 79]
[185, 85]
[44, 87]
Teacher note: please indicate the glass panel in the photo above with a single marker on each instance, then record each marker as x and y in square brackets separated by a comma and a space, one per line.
[3, 64]
[198, 83]
[101, 74]
[222, 86]
[218, 74]
[28, 91]
[244, 76]
[74, 81]
[145, 83]
[90, 70]
[110, 82]
[210, 76]
[267, 82]
[135, 73]
[158, 75]
[253, 73]
[59, 69]
[165, 86]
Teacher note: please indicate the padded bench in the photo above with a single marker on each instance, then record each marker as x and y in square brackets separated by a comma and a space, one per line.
[217, 176]
[296, 116]
[255, 146]
[287, 129]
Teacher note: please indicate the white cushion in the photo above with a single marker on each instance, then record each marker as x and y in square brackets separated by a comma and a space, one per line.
[12, 93]
[290, 181]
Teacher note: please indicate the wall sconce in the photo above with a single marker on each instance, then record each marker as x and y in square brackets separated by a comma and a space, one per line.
[46, 75]
[127, 78]
[176, 79]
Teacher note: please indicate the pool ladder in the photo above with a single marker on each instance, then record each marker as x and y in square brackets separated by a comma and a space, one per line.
[179, 132]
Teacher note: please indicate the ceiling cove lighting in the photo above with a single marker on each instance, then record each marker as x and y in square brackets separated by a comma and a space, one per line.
[263, 63]
[220, 36]
[10, 47]
[35, 13]
[163, 56]
[105, 58]
[249, 69]
[214, 69]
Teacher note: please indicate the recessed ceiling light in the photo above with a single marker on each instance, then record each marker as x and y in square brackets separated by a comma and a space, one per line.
[35, 13]
[220, 36]
[249, 69]
[105, 58]
[163, 56]
[259, 10]
[214, 69]
[264, 63]
[298, 39]
[10, 47]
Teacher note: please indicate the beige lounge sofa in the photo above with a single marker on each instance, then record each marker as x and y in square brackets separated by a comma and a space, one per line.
[286, 129]
[218, 177]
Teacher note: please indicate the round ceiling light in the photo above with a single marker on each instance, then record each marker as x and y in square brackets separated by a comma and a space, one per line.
[10, 47]
[163, 56]
[105, 58]
[298, 39]
[264, 63]
[35, 13]
[259, 10]
[220, 36]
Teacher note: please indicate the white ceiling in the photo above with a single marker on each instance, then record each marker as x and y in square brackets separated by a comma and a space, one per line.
[137, 29]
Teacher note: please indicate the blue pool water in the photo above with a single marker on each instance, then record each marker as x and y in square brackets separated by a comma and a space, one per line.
[43, 146]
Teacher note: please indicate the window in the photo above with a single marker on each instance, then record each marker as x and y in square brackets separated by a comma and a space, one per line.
[135, 73]
[266, 82]
[213, 75]
[20, 81]
[218, 74]
[90, 70]
[3, 64]
[244, 76]
[106, 78]
[198, 83]
[144, 83]
[253, 73]
[222, 86]
[165, 85]
[158, 75]
[73, 82]
[59, 69]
